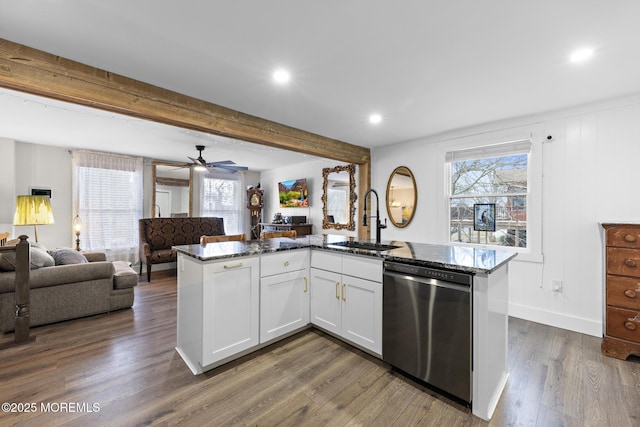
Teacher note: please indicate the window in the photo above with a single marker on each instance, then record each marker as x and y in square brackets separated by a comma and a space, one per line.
[222, 197]
[336, 196]
[108, 198]
[497, 174]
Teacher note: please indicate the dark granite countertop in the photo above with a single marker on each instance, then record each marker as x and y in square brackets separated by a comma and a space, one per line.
[451, 257]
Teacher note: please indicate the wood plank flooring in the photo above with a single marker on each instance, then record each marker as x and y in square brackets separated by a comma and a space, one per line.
[125, 363]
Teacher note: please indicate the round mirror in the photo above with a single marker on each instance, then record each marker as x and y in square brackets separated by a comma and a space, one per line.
[402, 196]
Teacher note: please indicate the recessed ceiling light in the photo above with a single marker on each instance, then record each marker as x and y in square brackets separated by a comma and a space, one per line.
[375, 118]
[281, 76]
[581, 55]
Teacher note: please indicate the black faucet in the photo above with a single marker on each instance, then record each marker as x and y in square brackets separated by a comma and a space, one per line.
[379, 225]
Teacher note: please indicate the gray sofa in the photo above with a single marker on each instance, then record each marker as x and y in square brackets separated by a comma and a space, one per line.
[63, 292]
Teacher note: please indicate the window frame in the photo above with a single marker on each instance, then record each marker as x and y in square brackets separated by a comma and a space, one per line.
[83, 163]
[238, 198]
[533, 251]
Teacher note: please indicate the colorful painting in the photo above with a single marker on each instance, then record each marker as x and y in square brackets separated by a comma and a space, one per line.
[293, 193]
[484, 217]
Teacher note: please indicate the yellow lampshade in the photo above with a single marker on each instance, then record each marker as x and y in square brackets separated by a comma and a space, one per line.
[33, 210]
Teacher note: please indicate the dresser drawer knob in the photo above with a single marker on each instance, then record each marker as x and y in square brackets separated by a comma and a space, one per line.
[630, 263]
[630, 238]
[630, 293]
[630, 326]
[286, 263]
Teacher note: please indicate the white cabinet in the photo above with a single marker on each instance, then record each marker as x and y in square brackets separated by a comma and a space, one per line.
[362, 313]
[326, 306]
[284, 293]
[346, 297]
[218, 309]
[229, 307]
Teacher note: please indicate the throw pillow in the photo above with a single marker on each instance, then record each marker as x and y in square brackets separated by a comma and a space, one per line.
[65, 256]
[39, 258]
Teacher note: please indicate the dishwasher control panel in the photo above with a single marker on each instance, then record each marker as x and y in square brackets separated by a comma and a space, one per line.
[432, 273]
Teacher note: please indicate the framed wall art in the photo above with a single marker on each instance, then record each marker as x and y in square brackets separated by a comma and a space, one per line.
[484, 217]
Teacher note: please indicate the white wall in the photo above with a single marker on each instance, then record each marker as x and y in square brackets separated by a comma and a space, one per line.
[7, 184]
[588, 174]
[312, 171]
[48, 167]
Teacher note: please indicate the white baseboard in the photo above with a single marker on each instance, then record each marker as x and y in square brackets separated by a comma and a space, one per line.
[558, 320]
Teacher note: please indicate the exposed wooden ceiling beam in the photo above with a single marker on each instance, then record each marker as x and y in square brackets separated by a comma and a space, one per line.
[40, 73]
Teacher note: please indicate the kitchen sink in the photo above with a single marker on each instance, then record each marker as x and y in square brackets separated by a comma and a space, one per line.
[369, 246]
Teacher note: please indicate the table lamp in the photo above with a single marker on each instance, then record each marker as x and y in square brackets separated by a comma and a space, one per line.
[33, 210]
[77, 228]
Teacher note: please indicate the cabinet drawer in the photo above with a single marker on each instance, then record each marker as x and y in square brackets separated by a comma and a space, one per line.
[367, 268]
[284, 262]
[623, 237]
[623, 292]
[623, 262]
[623, 324]
[213, 267]
[326, 260]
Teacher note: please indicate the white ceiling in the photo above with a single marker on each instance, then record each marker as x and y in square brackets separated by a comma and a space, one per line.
[427, 67]
[38, 120]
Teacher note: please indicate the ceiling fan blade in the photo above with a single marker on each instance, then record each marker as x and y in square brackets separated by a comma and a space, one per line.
[221, 170]
[228, 169]
[234, 168]
[222, 162]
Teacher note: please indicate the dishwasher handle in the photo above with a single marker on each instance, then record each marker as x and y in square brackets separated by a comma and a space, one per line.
[428, 281]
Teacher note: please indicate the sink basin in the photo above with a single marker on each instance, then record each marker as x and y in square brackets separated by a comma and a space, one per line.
[369, 246]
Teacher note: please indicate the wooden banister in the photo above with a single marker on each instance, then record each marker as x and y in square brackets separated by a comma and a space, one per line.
[22, 289]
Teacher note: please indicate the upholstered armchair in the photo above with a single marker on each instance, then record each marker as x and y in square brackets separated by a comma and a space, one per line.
[158, 235]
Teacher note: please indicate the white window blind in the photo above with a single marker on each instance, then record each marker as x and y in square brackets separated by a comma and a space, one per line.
[222, 198]
[107, 195]
[487, 151]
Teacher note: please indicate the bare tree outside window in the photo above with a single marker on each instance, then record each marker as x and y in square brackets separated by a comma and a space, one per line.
[501, 180]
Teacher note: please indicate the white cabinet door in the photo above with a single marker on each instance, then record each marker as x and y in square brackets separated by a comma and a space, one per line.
[362, 313]
[284, 304]
[230, 308]
[348, 306]
[326, 288]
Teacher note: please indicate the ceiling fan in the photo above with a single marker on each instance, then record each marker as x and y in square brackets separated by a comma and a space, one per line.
[226, 166]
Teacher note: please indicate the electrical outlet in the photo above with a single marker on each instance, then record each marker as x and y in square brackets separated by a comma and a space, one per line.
[556, 285]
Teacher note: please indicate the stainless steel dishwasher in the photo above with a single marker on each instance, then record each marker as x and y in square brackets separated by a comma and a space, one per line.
[426, 326]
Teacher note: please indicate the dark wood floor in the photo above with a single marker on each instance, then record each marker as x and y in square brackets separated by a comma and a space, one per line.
[125, 364]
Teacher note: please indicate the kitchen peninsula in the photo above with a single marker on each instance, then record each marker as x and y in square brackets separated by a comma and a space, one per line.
[237, 297]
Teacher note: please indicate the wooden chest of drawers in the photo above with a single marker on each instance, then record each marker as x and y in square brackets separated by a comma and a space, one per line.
[622, 331]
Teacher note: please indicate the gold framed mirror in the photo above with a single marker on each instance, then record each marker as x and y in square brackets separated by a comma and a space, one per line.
[172, 194]
[339, 198]
[402, 196]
